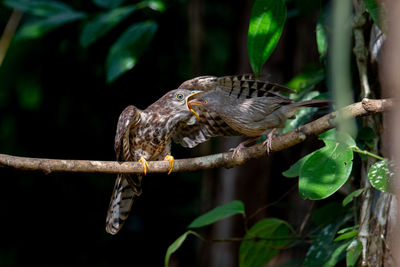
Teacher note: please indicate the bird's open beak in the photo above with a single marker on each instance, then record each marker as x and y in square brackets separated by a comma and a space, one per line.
[189, 103]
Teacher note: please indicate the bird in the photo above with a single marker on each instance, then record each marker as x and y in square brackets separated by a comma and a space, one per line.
[144, 135]
[249, 106]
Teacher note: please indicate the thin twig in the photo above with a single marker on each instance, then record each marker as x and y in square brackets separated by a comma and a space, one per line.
[364, 108]
[8, 33]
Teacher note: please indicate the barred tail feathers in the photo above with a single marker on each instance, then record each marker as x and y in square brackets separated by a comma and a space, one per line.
[127, 188]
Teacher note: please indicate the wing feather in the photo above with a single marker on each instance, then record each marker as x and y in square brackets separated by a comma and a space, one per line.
[190, 134]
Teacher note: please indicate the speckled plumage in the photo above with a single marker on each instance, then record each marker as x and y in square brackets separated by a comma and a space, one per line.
[148, 134]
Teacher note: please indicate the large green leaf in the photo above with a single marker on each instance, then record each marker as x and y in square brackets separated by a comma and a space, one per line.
[323, 173]
[177, 244]
[379, 175]
[294, 170]
[266, 24]
[334, 136]
[263, 241]
[103, 23]
[38, 28]
[126, 51]
[39, 8]
[218, 213]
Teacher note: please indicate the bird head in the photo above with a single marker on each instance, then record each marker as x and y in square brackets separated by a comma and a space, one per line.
[206, 100]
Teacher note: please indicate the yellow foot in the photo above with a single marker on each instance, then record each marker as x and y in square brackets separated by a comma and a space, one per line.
[144, 163]
[171, 162]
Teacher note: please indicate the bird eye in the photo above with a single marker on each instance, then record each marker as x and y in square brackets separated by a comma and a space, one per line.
[205, 102]
[180, 96]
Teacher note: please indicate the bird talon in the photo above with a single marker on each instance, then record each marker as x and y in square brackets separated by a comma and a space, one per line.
[268, 142]
[144, 163]
[171, 162]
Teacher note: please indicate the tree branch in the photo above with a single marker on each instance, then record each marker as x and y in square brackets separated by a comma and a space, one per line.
[366, 107]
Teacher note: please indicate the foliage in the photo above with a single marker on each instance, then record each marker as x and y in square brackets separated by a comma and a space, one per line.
[320, 174]
[127, 30]
[123, 54]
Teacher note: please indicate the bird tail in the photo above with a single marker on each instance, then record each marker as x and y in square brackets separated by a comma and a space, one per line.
[127, 188]
[318, 103]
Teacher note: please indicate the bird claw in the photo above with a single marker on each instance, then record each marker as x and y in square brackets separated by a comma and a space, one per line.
[268, 142]
[237, 149]
[144, 163]
[171, 162]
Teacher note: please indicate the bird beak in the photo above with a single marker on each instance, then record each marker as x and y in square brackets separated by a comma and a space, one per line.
[193, 102]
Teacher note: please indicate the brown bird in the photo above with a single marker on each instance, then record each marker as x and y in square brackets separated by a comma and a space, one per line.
[144, 135]
[249, 106]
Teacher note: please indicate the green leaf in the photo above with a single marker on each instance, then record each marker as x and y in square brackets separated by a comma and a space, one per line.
[373, 9]
[294, 170]
[218, 213]
[353, 253]
[103, 23]
[323, 251]
[347, 235]
[177, 244]
[334, 136]
[156, 5]
[108, 3]
[266, 24]
[349, 198]
[307, 79]
[263, 241]
[325, 171]
[38, 28]
[338, 254]
[126, 51]
[349, 229]
[39, 8]
[379, 175]
[322, 32]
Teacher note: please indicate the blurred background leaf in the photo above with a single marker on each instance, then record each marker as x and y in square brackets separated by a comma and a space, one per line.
[266, 24]
[125, 52]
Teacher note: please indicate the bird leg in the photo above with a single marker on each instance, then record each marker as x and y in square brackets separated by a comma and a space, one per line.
[144, 163]
[171, 162]
[242, 145]
[268, 142]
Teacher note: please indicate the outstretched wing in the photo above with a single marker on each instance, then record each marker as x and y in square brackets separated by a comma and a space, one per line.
[127, 187]
[190, 134]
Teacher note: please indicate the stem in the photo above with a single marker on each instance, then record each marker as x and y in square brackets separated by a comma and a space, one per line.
[367, 153]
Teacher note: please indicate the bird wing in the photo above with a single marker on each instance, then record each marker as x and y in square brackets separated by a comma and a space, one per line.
[128, 119]
[191, 133]
[127, 186]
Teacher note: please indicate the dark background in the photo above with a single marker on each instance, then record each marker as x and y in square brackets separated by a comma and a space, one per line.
[55, 103]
